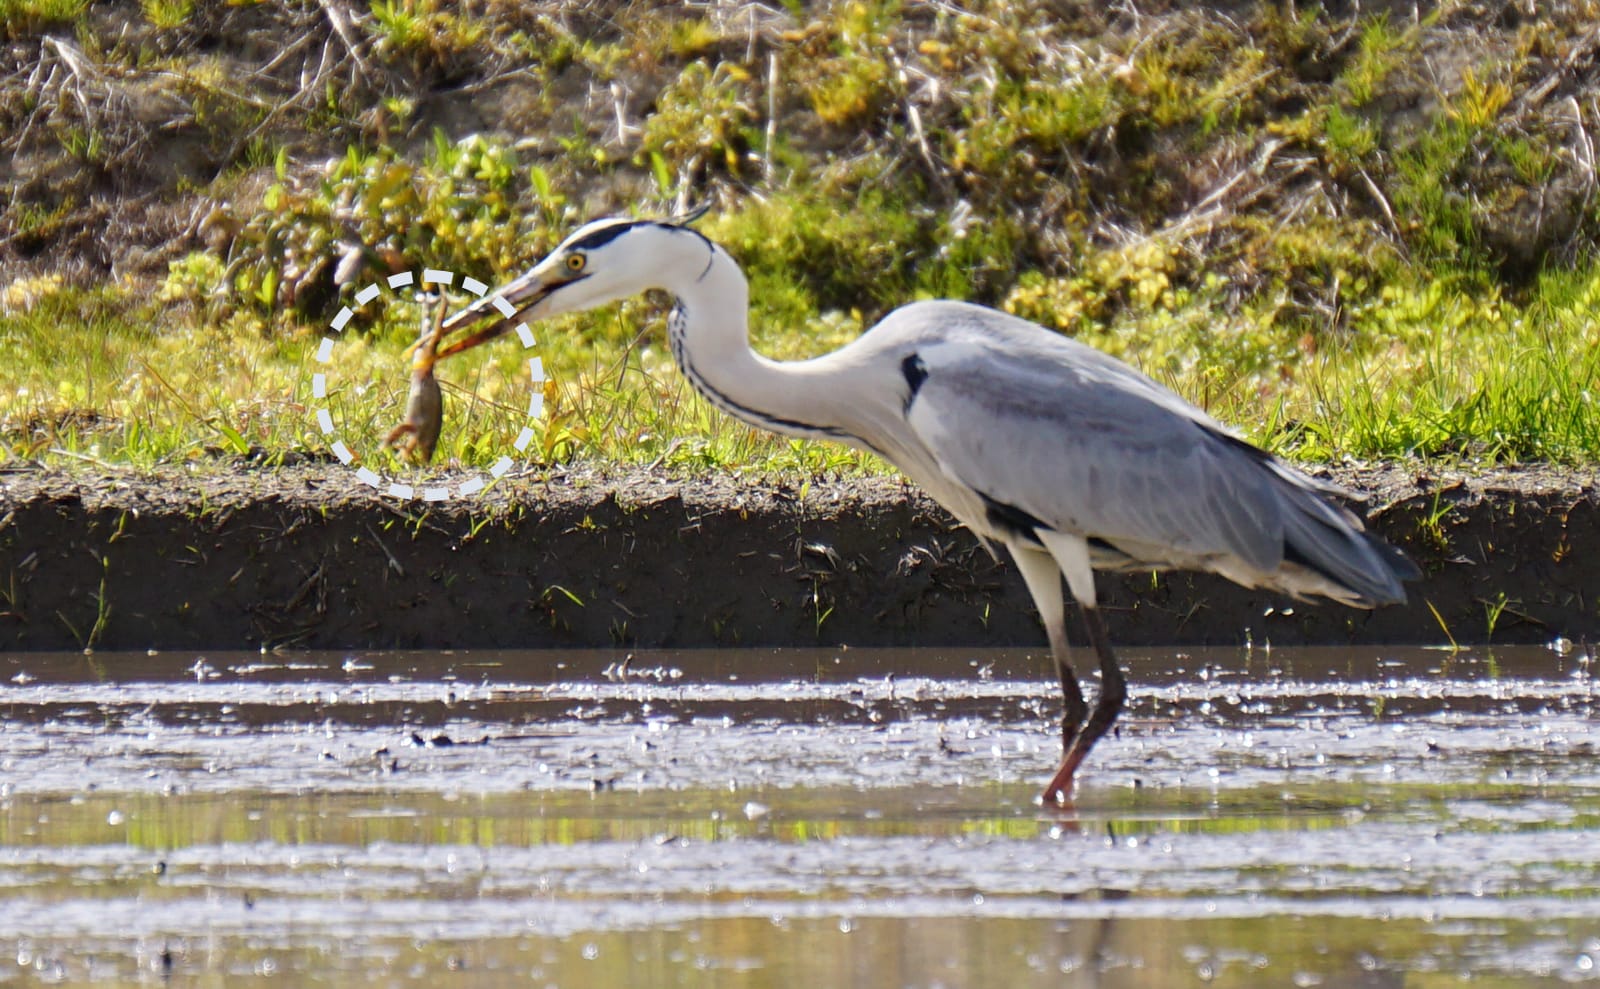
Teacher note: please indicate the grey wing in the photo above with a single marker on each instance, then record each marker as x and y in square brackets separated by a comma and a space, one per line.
[1070, 438]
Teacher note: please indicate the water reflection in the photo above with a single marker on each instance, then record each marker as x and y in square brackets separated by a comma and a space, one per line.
[1316, 817]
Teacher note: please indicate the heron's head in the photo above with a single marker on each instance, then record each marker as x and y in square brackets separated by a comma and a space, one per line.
[601, 262]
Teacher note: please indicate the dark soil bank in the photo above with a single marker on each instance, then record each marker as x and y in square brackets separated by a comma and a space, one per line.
[311, 557]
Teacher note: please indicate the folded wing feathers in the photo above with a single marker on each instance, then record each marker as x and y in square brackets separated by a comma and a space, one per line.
[1331, 542]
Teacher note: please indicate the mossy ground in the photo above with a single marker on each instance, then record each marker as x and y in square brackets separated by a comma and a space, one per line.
[1354, 234]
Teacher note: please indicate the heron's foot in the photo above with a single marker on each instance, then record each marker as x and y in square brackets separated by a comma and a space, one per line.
[1061, 810]
[1056, 798]
[1058, 793]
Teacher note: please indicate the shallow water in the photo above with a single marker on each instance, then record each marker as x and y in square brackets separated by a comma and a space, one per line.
[1337, 817]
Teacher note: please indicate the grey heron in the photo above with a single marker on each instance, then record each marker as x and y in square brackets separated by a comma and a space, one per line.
[1069, 458]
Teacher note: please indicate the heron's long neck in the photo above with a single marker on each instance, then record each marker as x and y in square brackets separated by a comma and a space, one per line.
[710, 335]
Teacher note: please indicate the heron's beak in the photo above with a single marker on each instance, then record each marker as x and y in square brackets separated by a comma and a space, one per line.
[503, 309]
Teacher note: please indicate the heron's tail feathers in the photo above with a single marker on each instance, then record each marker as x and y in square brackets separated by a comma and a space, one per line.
[1328, 553]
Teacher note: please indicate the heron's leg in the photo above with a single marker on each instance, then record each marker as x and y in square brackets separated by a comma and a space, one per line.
[1073, 707]
[1071, 553]
[1113, 694]
[1043, 577]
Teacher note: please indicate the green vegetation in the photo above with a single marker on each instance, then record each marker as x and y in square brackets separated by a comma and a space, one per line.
[20, 18]
[1363, 237]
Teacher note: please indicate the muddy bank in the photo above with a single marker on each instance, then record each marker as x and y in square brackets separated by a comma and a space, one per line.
[312, 557]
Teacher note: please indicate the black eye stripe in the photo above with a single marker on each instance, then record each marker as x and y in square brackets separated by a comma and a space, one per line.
[596, 239]
[602, 237]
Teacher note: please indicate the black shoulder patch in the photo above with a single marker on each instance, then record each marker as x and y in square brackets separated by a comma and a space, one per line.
[1011, 519]
[915, 373]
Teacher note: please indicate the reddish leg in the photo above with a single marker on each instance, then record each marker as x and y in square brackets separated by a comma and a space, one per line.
[1113, 693]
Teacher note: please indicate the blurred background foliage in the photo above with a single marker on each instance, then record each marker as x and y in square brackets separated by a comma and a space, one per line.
[1361, 231]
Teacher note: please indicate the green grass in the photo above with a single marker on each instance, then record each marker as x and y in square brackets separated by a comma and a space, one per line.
[91, 379]
[19, 17]
[1439, 371]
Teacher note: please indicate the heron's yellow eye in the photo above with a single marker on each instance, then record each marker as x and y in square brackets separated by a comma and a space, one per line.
[575, 262]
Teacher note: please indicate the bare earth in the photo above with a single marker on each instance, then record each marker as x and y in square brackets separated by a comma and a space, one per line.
[583, 557]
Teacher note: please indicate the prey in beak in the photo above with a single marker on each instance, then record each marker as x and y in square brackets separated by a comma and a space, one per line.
[565, 281]
[503, 309]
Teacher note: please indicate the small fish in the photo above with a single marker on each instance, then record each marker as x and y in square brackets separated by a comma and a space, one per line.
[417, 436]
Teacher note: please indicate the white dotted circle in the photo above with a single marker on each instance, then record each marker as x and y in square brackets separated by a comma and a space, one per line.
[473, 483]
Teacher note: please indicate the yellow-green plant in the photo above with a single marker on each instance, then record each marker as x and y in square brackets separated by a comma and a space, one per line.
[701, 118]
